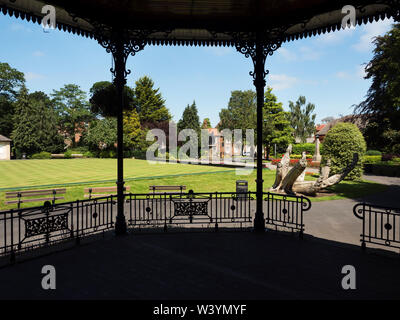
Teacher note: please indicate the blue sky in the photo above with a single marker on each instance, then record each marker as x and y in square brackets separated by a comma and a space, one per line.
[326, 69]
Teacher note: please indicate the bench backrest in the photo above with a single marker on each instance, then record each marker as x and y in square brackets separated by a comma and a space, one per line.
[167, 188]
[26, 196]
[102, 191]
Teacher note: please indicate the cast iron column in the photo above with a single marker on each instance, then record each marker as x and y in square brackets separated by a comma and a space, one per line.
[258, 46]
[259, 82]
[119, 82]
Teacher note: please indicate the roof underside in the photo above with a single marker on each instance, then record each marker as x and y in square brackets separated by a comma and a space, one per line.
[210, 22]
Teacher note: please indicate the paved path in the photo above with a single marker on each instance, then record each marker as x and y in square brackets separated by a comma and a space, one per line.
[334, 220]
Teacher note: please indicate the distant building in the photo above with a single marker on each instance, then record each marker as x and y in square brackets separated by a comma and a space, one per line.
[359, 121]
[5, 148]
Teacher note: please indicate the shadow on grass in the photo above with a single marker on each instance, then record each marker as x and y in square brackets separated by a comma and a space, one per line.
[351, 190]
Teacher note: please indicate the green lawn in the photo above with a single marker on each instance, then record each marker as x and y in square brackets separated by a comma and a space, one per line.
[76, 174]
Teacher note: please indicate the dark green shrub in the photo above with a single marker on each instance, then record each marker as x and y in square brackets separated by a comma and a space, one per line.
[68, 154]
[372, 159]
[340, 143]
[41, 155]
[108, 154]
[309, 148]
[396, 149]
[89, 154]
[373, 153]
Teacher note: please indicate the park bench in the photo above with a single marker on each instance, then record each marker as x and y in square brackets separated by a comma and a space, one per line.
[25, 196]
[166, 188]
[102, 192]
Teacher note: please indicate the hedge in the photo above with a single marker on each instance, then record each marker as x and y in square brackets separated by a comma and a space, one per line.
[382, 169]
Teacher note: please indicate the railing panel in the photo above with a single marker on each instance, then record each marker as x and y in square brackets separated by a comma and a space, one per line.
[380, 225]
[25, 229]
[285, 211]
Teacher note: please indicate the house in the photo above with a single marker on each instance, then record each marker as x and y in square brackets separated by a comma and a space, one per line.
[359, 121]
[5, 148]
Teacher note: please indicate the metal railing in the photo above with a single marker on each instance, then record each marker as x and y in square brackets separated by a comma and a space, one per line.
[285, 211]
[380, 225]
[188, 208]
[29, 228]
[25, 229]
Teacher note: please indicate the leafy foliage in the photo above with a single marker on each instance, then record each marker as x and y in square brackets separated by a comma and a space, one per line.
[382, 104]
[104, 100]
[35, 127]
[340, 143]
[302, 120]
[276, 126]
[241, 112]
[309, 148]
[72, 109]
[206, 124]
[149, 103]
[11, 81]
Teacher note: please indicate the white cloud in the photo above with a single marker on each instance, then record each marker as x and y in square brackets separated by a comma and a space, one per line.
[33, 76]
[361, 71]
[38, 53]
[303, 54]
[356, 73]
[282, 81]
[370, 31]
[19, 27]
[286, 54]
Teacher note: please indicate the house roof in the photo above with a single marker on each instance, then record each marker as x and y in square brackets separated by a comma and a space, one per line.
[203, 22]
[4, 139]
[359, 120]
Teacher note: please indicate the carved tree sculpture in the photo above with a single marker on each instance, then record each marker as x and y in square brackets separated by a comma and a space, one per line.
[292, 182]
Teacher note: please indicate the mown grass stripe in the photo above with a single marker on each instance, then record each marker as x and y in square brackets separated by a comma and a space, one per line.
[112, 180]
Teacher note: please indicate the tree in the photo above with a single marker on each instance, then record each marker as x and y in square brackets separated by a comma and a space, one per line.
[241, 112]
[381, 107]
[104, 100]
[190, 120]
[302, 120]
[149, 103]
[102, 134]
[35, 127]
[206, 124]
[276, 125]
[72, 109]
[340, 144]
[11, 81]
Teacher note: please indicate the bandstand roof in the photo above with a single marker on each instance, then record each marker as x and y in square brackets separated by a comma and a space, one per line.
[199, 22]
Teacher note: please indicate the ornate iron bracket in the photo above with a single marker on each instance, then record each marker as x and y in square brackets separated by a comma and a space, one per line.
[120, 45]
[258, 55]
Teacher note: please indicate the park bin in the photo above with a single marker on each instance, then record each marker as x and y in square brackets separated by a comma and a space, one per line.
[242, 187]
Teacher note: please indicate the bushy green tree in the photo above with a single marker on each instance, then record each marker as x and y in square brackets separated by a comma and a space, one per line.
[276, 125]
[102, 134]
[241, 112]
[104, 100]
[381, 108]
[302, 119]
[149, 103]
[11, 81]
[35, 125]
[73, 110]
[340, 144]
